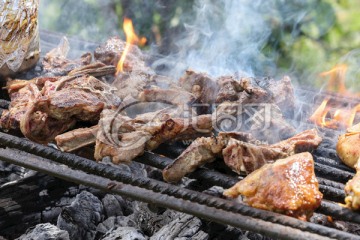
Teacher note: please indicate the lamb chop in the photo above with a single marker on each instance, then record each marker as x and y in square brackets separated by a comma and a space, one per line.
[246, 157]
[58, 104]
[240, 152]
[56, 63]
[113, 136]
[288, 186]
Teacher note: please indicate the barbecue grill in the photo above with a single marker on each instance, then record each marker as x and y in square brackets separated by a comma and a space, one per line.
[331, 173]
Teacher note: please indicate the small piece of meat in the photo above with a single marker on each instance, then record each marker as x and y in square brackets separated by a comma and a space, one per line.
[229, 89]
[352, 190]
[347, 146]
[247, 157]
[283, 94]
[171, 96]
[203, 150]
[130, 84]
[288, 186]
[77, 138]
[97, 69]
[200, 85]
[55, 62]
[110, 52]
[267, 90]
[125, 149]
[178, 129]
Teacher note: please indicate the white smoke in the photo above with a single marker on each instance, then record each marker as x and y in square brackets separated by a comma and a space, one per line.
[228, 36]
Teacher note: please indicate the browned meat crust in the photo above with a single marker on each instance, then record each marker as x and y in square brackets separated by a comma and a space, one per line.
[287, 186]
[171, 96]
[247, 157]
[55, 62]
[352, 190]
[76, 138]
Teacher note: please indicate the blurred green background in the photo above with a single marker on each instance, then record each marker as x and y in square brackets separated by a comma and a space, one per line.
[308, 36]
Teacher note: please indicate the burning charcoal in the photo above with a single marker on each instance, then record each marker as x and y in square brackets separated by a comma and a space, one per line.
[184, 226]
[125, 233]
[82, 216]
[114, 222]
[113, 205]
[45, 231]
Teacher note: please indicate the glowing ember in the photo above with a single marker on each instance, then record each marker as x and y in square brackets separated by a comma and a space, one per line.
[131, 39]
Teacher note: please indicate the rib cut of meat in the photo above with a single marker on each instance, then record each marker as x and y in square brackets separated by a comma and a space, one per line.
[288, 186]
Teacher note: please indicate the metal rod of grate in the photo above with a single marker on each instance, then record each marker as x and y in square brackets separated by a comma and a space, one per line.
[164, 188]
[270, 229]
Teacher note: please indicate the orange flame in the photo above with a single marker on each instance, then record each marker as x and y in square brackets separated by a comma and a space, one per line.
[131, 39]
[341, 117]
[324, 115]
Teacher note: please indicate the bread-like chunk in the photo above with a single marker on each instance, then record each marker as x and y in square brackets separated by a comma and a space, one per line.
[348, 144]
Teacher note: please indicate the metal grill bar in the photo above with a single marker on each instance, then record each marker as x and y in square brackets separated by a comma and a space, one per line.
[273, 230]
[167, 189]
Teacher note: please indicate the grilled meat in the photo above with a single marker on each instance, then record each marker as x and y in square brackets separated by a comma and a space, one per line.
[56, 63]
[347, 146]
[200, 85]
[203, 150]
[247, 157]
[288, 186]
[229, 89]
[97, 69]
[171, 96]
[110, 52]
[76, 138]
[352, 190]
[158, 129]
[45, 107]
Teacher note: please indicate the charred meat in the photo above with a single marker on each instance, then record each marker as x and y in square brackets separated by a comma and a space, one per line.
[288, 186]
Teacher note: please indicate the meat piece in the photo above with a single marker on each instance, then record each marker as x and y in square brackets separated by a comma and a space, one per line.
[110, 52]
[62, 103]
[242, 156]
[178, 129]
[347, 146]
[22, 95]
[203, 150]
[129, 146]
[352, 189]
[55, 62]
[267, 90]
[200, 85]
[171, 96]
[288, 186]
[229, 89]
[81, 137]
[77, 138]
[265, 121]
[130, 85]
[97, 69]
